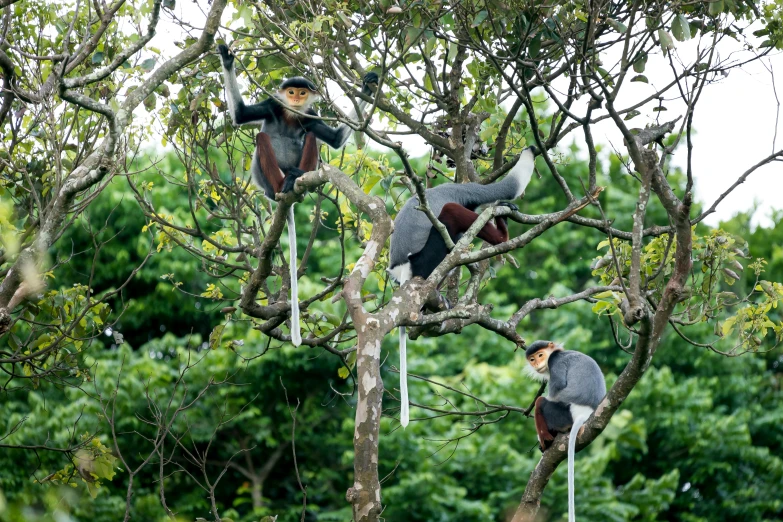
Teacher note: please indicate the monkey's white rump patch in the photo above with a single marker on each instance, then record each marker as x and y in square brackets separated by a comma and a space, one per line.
[401, 273]
[578, 411]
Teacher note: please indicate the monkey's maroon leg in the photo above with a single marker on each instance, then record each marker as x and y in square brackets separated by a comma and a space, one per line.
[545, 438]
[502, 229]
[268, 160]
[458, 220]
[309, 159]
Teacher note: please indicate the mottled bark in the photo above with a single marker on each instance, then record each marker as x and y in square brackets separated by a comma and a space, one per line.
[365, 494]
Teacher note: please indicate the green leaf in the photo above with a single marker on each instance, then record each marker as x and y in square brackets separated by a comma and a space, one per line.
[488, 133]
[350, 361]
[429, 47]
[453, 49]
[640, 63]
[148, 64]
[343, 372]
[480, 17]
[535, 46]
[681, 29]
[666, 41]
[617, 26]
[715, 8]
[97, 58]
[640, 78]
[631, 115]
[606, 76]
[345, 20]
[216, 335]
[728, 326]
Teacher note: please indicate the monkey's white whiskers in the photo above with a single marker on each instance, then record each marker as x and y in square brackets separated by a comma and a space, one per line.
[296, 333]
[534, 375]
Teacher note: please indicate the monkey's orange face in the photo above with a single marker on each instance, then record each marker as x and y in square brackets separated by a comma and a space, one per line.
[298, 97]
[540, 360]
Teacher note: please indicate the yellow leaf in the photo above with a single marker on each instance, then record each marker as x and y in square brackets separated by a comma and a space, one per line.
[728, 326]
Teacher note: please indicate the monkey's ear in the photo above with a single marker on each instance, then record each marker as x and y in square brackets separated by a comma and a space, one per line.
[551, 344]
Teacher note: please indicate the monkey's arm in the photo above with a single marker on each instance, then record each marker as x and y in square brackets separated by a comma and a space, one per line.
[239, 111]
[558, 377]
[335, 137]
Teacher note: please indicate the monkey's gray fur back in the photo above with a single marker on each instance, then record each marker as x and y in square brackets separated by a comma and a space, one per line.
[575, 379]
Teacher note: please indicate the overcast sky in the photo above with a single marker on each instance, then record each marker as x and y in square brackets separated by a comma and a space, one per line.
[735, 122]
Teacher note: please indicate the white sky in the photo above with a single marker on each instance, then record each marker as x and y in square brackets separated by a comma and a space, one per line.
[735, 123]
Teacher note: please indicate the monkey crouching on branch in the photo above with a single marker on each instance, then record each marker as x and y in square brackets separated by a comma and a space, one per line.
[287, 145]
[576, 388]
[417, 248]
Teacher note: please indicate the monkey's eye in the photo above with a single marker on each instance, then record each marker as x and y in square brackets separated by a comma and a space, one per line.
[291, 92]
[303, 93]
[540, 355]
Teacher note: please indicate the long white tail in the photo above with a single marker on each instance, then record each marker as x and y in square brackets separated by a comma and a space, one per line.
[579, 420]
[296, 333]
[404, 408]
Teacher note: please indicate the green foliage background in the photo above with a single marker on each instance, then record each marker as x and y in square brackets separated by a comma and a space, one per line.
[700, 438]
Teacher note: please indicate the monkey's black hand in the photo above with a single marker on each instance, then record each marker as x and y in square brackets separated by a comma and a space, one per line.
[369, 79]
[290, 179]
[226, 56]
[509, 205]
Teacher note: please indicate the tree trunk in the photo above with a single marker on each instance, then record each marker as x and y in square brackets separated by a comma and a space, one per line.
[365, 494]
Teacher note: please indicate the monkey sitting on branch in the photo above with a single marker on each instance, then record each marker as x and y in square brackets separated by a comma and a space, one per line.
[287, 145]
[576, 388]
[417, 248]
